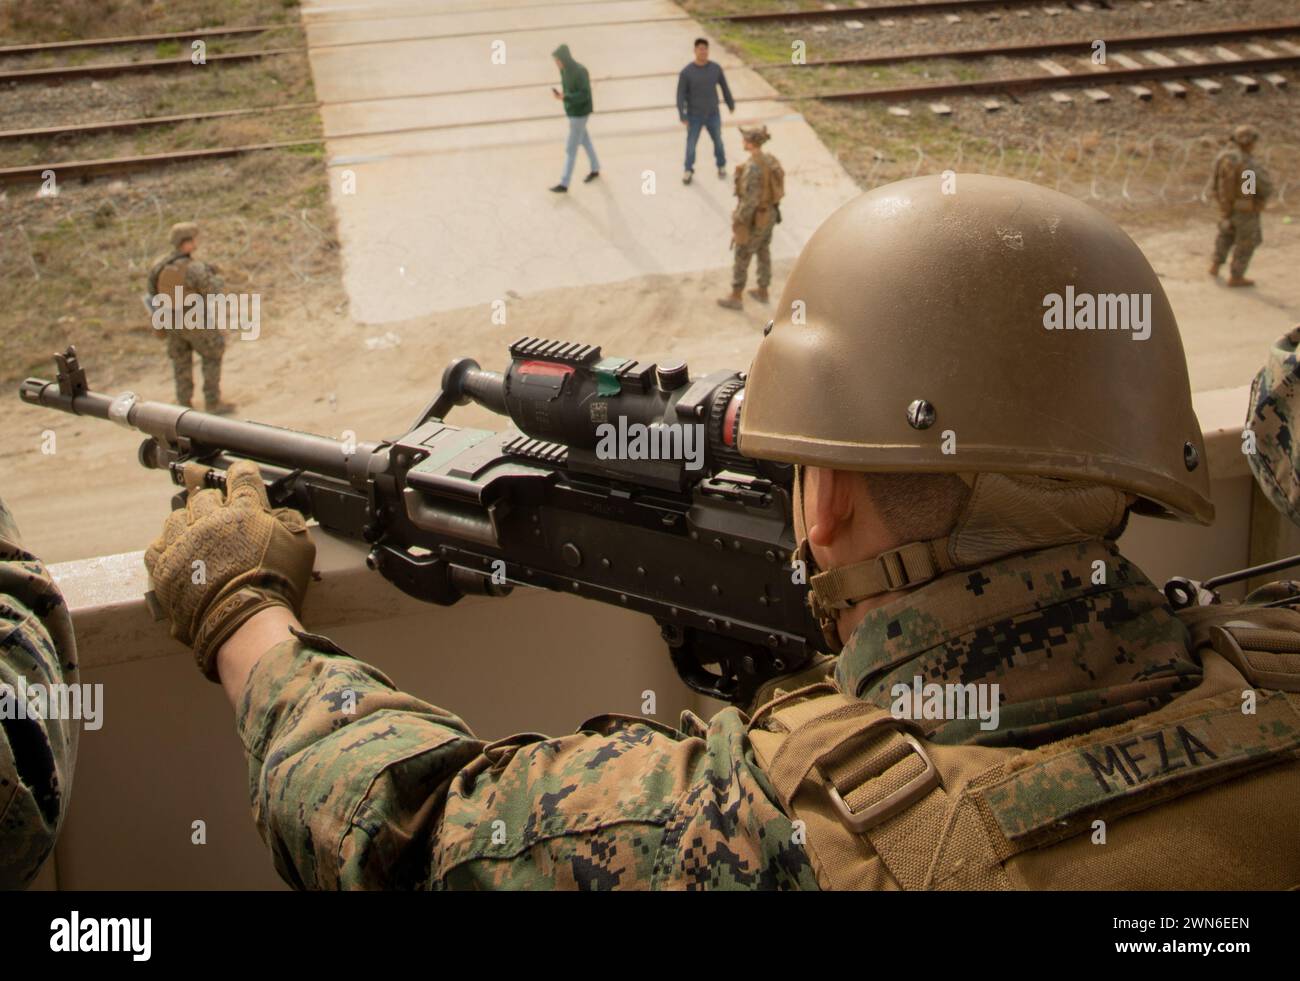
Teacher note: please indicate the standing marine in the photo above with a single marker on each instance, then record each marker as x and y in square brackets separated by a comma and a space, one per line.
[1242, 189]
[957, 510]
[37, 754]
[760, 186]
[173, 276]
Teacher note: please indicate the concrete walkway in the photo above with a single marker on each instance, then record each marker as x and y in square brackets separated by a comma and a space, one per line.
[449, 152]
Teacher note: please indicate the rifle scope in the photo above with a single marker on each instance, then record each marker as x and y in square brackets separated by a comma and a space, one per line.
[569, 393]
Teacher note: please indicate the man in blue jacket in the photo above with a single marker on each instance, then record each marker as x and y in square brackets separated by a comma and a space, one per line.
[697, 104]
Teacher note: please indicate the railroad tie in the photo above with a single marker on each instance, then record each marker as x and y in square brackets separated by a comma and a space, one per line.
[1061, 98]
[1051, 67]
[1247, 83]
[854, 25]
[941, 108]
[1124, 61]
[991, 105]
[1086, 8]
[1097, 95]
[1276, 80]
[1140, 92]
[1207, 85]
[1195, 57]
[1053, 11]
[1174, 89]
[1226, 54]
[1288, 47]
[1261, 51]
[899, 111]
[952, 18]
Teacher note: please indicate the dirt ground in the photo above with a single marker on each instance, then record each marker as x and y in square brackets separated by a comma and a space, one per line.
[321, 372]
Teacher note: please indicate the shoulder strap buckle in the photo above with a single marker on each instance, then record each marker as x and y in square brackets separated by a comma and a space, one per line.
[907, 752]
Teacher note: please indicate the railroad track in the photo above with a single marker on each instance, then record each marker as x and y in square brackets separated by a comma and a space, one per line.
[1167, 58]
[921, 8]
[113, 42]
[105, 69]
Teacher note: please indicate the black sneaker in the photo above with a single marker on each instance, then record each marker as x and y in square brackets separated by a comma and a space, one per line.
[591, 177]
[560, 189]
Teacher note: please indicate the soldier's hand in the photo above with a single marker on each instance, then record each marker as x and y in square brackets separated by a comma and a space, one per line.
[1225, 225]
[223, 559]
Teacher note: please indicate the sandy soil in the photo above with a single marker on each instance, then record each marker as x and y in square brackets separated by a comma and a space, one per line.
[315, 372]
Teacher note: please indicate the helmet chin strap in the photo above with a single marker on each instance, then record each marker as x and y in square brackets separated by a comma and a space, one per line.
[1004, 515]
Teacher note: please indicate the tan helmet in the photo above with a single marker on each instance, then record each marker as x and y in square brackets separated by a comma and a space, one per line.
[183, 231]
[949, 324]
[1245, 135]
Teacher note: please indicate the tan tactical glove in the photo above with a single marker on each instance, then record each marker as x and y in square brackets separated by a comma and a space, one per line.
[221, 560]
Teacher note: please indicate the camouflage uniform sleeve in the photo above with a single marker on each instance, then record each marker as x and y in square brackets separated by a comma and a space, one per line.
[752, 193]
[356, 785]
[37, 756]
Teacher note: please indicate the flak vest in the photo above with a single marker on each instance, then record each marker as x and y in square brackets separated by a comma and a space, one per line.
[1203, 793]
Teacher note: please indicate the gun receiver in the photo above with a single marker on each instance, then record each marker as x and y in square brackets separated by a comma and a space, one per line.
[701, 542]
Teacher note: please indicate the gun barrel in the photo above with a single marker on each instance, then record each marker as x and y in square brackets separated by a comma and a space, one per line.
[170, 423]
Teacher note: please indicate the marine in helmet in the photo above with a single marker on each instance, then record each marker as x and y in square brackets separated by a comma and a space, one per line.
[760, 186]
[1241, 189]
[173, 276]
[979, 389]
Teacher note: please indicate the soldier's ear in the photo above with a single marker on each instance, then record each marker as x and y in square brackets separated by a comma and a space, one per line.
[830, 500]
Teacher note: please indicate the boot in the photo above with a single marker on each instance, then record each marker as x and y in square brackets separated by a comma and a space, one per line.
[1214, 268]
[732, 302]
[759, 294]
[1240, 281]
[219, 407]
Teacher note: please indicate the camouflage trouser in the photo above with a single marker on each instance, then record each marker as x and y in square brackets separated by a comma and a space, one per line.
[209, 344]
[1241, 239]
[760, 244]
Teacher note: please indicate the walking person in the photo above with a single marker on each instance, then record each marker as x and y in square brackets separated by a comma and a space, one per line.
[697, 104]
[577, 106]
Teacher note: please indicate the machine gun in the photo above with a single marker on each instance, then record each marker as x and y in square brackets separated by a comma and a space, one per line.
[699, 537]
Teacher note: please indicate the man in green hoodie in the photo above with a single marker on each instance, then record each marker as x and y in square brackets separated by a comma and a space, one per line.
[577, 106]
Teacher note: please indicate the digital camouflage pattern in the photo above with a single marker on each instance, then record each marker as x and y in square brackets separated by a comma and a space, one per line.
[753, 221]
[37, 756]
[182, 345]
[1239, 232]
[1076, 638]
[400, 794]
[1271, 416]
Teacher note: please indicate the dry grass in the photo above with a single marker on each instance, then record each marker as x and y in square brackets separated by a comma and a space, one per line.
[75, 264]
[29, 21]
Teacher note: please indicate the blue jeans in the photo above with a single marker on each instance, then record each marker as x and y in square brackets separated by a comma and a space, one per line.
[577, 135]
[713, 123]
